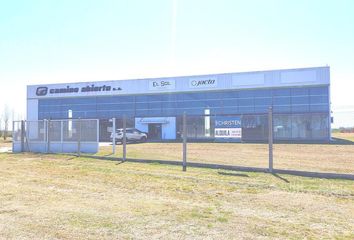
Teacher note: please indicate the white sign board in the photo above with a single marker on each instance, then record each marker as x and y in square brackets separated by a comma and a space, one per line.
[203, 82]
[228, 132]
[162, 84]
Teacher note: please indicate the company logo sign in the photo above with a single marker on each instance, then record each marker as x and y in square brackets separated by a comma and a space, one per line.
[44, 91]
[203, 83]
[41, 91]
[228, 127]
[162, 84]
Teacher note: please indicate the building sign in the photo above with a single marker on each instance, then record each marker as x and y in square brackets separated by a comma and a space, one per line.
[203, 83]
[44, 91]
[228, 127]
[162, 84]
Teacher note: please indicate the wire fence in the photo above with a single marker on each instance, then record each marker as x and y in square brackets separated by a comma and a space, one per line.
[56, 136]
[264, 142]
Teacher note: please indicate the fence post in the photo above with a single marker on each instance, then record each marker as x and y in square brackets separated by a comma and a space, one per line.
[270, 138]
[48, 135]
[13, 134]
[79, 139]
[184, 141]
[114, 135]
[124, 138]
[22, 136]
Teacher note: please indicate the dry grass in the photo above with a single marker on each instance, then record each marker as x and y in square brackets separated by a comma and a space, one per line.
[307, 157]
[344, 136]
[60, 197]
[5, 143]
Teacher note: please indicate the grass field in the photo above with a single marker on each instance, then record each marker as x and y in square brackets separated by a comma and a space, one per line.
[334, 158]
[63, 197]
[344, 136]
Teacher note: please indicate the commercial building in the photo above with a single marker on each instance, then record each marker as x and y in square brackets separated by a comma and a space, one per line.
[300, 99]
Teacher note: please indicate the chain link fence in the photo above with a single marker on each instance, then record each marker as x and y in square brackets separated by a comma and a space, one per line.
[244, 142]
[56, 136]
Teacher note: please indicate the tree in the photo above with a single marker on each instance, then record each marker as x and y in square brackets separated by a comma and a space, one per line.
[6, 117]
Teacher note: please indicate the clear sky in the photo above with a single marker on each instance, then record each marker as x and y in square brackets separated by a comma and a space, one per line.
[49, 41]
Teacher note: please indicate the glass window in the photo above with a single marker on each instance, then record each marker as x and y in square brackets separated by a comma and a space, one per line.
[213, 103]
[319, 126]
[300, 100]
[263, 101]
[141, 105]
[168, 104]
[299, 92]
[246, 94]
[75, 101]
[231, 109]
[282, 109]
[45, 102]
[212, 95]
[246, 109]
[141, 98]
[229, 94]
[318, 99]
[168, 97]
[263, 93]
[246, 102]
[281, 92]
[319, 108]
[230, 103]
[319, 91]
[254, 127]
[261, 109]
[299, 108]
[154, 98]
[301, 126]
[282, 126]
[282, 101]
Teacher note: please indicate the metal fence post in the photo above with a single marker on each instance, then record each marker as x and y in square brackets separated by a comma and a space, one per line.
[79, 139]
[62, 134]
[13, 134]
[114, 135]
[48, 135]
[124, 138]
[184, 142]
[22, 136]
[270, 138]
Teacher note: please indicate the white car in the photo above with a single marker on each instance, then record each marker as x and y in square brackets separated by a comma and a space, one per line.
[132, 135]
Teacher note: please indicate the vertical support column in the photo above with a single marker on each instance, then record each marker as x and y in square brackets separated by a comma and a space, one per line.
[114, 135]
[98, 131]
[184, 142]
[79, 139]
[270, 138]
[22, 136]
[124, 138]
[48, 135]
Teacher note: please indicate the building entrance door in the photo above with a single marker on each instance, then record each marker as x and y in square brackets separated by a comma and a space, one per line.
[154, 131]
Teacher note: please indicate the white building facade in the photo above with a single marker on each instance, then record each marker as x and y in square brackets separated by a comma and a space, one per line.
[300, 99]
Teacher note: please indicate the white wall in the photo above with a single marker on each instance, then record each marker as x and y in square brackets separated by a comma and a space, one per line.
[168, 130]
[261, 79]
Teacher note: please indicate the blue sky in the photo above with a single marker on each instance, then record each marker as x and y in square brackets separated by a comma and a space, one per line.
[43, 41]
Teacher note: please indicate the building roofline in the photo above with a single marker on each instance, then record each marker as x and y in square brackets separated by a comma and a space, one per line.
[183, 76]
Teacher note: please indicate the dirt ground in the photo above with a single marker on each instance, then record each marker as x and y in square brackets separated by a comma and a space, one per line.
[65, 197]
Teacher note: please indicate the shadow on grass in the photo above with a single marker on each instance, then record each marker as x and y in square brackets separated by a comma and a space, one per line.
[281, 178]
[230, 168]
[341, 141]
[233, 174]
